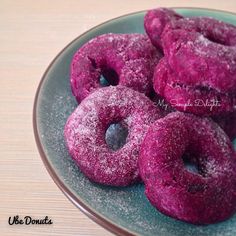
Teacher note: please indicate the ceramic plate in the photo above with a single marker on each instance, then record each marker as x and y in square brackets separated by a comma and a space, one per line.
[124, 211]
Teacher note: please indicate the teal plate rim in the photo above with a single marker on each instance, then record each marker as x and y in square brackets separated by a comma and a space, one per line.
[86, 209]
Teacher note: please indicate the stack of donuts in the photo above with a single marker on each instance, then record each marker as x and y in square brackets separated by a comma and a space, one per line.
[153, 105]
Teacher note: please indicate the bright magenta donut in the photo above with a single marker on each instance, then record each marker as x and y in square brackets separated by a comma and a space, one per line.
[86, 128]
[125, 59]
[204, 58]
[204, 196]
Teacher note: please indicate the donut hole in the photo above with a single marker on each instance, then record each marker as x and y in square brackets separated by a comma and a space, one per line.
[108, 77]
[116, 135]
[103, 82]
[196, 164]
[190, 164]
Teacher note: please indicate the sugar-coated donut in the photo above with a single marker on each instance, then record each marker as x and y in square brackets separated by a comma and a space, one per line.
[199, 61]
[200, 53]
[193, 99]
[86, 127]
[125, 59]
[202, 197]
[155, 21]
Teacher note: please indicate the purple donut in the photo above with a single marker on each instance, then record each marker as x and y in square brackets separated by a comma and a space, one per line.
[201, 62]
[86, 128]
[202, 53]
[202, 196]
[155, 21]
[125, 59]
[194, 99]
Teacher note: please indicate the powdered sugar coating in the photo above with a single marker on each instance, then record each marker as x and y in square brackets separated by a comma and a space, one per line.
[125, 59]
[86, 127]
[200, 198]
[155, 21]
[194, 99]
